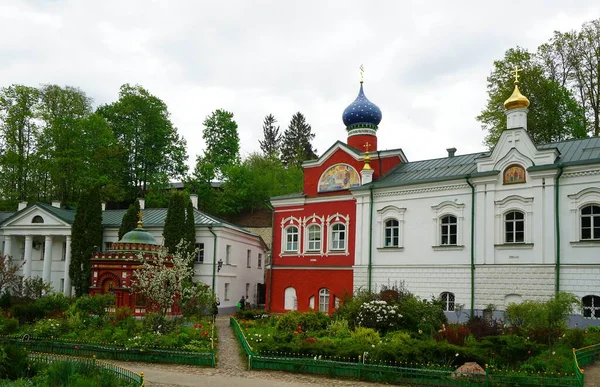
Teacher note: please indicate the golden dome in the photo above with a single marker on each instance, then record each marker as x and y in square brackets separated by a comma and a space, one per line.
[516, 100]
[367, 160]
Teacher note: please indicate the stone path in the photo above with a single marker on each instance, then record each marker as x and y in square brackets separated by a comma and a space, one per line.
[592, 375]
[231, 370]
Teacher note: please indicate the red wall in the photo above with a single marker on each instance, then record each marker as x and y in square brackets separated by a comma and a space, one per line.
[308, 283]
[358, 142]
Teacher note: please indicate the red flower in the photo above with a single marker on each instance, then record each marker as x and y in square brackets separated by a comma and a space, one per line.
[77, 347]
[529, 352]
[295, 332]
[205, 333]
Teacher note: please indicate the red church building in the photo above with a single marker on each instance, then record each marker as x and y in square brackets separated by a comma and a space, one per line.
[314, 231]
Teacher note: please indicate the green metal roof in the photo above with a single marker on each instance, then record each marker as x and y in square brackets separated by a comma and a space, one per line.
[577, 151]
[288, 196]
[138, 235]
[156, 217]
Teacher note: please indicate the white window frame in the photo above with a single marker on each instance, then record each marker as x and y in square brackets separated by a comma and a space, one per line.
[249, 258]
[592, 217]
[342, 220]
[438, 212]
[446, 230]
[286, 223]
[295, 246]
[259, 266]
[341, 231]
[448, 300]
[199, 253]
[593, 308]
[509, 204]
[290, 299]
[308, 240]
[516, 220]
[385, 230]
[324, 300]
[383, 215]
[307, 223]
[247, 290]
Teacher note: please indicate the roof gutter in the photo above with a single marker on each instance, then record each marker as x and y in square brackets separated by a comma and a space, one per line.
[557, 226]
[214, 271]
[472, 244]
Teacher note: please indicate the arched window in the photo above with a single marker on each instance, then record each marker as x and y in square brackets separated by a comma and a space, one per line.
[392, 233]
[448, 230]
[591, 306]
[590, 222]
[290, 301]
[291, 238]
[324, 300]
[514, 227]
[314, 238]
[338, 237]
[448, 301]
[37, 219]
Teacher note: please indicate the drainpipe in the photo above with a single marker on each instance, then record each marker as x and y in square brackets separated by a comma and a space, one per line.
[214, 260]
[472, 244]
[370, 268]
[557, 226]
[271, 260]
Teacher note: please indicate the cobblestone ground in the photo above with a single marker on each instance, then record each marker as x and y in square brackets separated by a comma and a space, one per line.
[231, 370]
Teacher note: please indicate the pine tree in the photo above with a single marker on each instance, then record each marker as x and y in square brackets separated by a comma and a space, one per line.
[296, 143]
[130, 219]
[272, 137]
[86, 234]
[190, 227]
[174, 230]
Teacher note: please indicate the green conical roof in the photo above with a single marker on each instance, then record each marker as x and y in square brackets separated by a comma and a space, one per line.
[138, 235]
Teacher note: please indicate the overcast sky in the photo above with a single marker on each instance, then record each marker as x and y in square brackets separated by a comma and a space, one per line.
[426, 62]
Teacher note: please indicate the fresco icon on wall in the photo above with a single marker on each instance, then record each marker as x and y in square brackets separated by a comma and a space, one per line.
[514, 174]
[338, 177]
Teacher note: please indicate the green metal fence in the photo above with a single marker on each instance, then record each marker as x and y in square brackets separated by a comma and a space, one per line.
[396, 374]
[102, 351]
[119, 372]
[584, 356]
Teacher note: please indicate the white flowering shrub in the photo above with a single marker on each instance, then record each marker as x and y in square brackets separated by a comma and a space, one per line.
[379, 315]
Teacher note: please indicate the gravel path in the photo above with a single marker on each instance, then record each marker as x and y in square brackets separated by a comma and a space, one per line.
[231, 370]
[592, 375]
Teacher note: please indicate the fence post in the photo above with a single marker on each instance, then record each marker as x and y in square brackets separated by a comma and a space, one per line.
[94, 360]
[359, 367]
[249, 362]
[142, 379]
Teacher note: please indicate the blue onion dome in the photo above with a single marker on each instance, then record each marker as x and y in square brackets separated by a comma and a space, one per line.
[362, 113]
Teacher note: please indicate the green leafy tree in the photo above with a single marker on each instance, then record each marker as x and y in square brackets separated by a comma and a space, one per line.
[130, 219]
[142, 125]
[86, 234]
[201, 183]
[190, 227]
[554, 114]
[174, 230]
[296, 144]
[271, 143]
[222, 141]
[19, 133]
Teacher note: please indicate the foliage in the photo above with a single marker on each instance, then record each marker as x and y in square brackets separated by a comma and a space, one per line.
[379, 315]
[424, 315]
[160, 278]
[87, 238]
[455, 334]
[142, 125]
[96, 305]
[366, 336]
[9, 326]
[27, 312]
[339, 328]
[14, 363]
[222, 141]
[9, 279]
[174, 231]
[196, 299]
[270, 145]
[53, 304]
[251, 314]
[296, 145]
[483, 327]
[30, 289]
[302, 322]
[130, 219]
[351, 307]
[190, 228]
[554, 113]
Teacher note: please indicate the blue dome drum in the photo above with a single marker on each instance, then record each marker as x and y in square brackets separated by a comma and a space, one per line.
[361, 113]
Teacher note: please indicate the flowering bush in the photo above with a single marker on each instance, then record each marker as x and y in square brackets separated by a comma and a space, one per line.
[379, 315]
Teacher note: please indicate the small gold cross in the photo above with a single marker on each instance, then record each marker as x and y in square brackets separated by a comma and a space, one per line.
[366, 146]
[516, 71]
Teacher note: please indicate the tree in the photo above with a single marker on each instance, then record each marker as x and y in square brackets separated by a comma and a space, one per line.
[130, 219]
[160, 278]
[190, 228]
[19, 134]
[296, 144]
[142, 125]
[272, 139]
[554, 113]
[8, 274]
[196, 299]
[86, 234]
[174, 230]
[222, 141]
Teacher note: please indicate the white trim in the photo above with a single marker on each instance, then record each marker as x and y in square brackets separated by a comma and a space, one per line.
[387, 213]
[308, 222]
[513, 203]
[332, 220]
[358, 156]
[583, 198]
[439, 211]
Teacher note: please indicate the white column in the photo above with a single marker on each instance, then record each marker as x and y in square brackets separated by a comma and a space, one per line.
[67, 289]
[47, 258]
[8, 246]
[27, 256]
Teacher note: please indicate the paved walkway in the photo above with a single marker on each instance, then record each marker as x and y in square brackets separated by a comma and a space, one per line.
[231, 370]
[592, 375]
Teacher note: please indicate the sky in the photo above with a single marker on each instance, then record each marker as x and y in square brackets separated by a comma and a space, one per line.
[426, 62]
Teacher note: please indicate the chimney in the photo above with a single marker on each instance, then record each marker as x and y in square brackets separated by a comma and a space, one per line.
[103, 206]
[21, 206]
[451, 152]
[56, 203]
[142, 202]
[194, 199]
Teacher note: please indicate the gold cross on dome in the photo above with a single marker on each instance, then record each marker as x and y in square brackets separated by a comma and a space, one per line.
[139, 216]
[516, 71]
[366, 146]
[362, 73]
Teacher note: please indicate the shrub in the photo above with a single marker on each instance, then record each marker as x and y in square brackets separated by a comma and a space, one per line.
[92, 306]
[122, 313]
[155, 322]
[351, 307]
[366, 336]
[414, 310]
[288, 322]
[313, 321]
[483, 327]
[27, 313]
[379, 315]
[9, 325]
[15, 363]
[455, 334]
[251, 314]
[575, 338]
[53, 304]
[338, 329]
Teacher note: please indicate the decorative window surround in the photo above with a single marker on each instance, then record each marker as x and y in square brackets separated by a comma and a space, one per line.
[448, 247]
[332, 220]
[285, 224]
[509, 204]
[438, 212]
[307, 222]
[583, 198]
[514, 246]
[383, 215]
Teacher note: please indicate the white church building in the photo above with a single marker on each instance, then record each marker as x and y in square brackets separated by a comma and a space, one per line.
[517, 223]
[38, 237]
